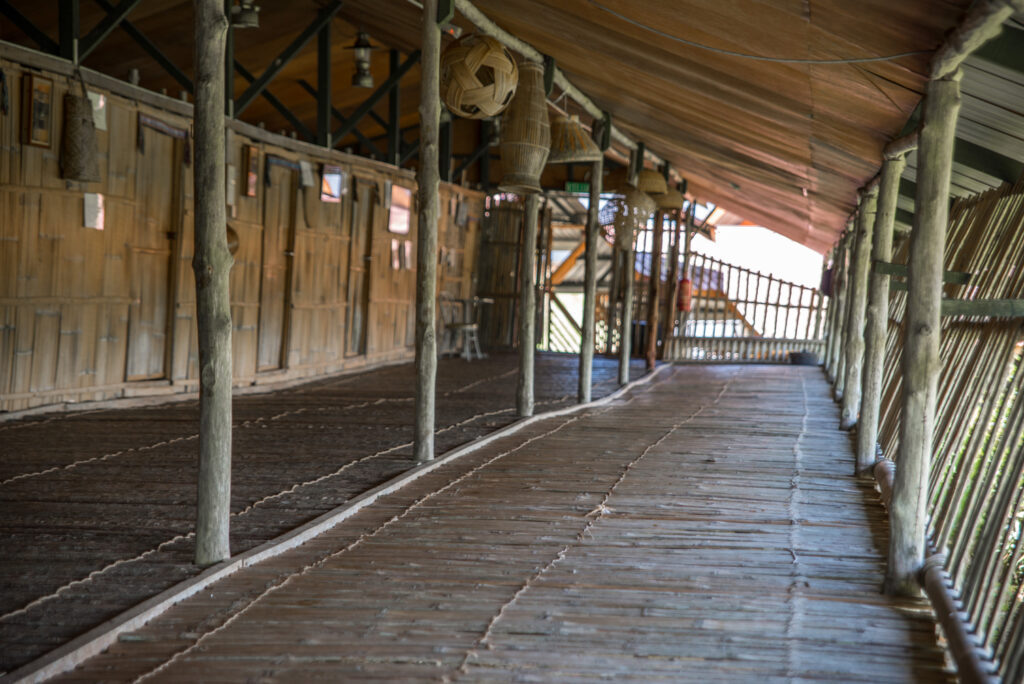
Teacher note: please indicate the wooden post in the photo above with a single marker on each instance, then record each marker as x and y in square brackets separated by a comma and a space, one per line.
[877, 315]
[654, 291]
[613, 295]
[835, 307]
[844, 315]
[427, 178]
[672, 291]
[590, 283]
[908, 514]
[528, 307]
[212, 266]
[858, 294]
[625, 336]
[684, 317]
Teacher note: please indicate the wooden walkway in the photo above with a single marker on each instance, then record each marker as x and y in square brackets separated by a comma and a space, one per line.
[704, 527]
[97, 508]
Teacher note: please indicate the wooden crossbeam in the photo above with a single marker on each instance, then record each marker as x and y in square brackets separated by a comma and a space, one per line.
[563, 268]
[110, 22]
[300, 127]
[146, 44]
[45, 43]
[900, 271]
[998, 308]
[260, 84]
[341, 118]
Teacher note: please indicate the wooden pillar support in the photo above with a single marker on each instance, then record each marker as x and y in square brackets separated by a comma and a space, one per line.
[590, 283]
[426, 244]
[836, 308]
[527, 307]
[212, 266]
[858, 294]
[876, 324]
[672, 286]
[626, 329]
[921, 362]
[654, 292]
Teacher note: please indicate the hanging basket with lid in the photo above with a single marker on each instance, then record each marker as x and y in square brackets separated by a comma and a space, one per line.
[478, 77]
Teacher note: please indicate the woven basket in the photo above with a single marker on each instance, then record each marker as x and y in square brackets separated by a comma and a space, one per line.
[651, 182]
[570, 144]
[671, 200]
[525, 133]
[478, 77]
[79, 152]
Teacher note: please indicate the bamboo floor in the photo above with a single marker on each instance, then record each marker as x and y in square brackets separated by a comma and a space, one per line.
[97, 508]
[704, 527]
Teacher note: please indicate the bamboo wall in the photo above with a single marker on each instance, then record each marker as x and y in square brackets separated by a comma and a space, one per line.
[976, 498]
[97, 314]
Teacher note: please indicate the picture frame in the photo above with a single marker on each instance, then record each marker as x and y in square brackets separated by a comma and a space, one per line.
[399, 210]
[252, 170]
[332, 183]
[37, 111]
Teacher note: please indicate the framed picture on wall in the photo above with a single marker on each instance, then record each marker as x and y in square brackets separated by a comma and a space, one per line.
[400, 213]
[37, 111]
[252, 169]
[332, 183]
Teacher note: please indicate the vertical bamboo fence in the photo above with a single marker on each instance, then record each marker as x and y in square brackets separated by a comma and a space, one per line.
[976, 497]
[740, 315]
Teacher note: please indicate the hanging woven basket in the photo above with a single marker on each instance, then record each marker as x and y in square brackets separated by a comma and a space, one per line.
[525, 133]
[570, 143]
[671, 200]
[79, 152]
[626, 214]
[651, 182]
[478, 77]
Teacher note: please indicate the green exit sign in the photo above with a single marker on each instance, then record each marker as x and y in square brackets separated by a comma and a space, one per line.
[574, 186]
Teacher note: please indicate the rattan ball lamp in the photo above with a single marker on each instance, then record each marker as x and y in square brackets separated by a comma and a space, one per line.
[478, 77]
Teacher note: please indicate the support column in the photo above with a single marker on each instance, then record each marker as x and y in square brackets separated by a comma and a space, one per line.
[229, 64]
[877, 317]
[836, 307]
[844, 313]
[626, 334]
[323, 86]
[527, 307]
[590, 283]
[858, 294]
[394, 114]
[654, 291]
[69, 29]
[684, 317]
[672, 287]
[921, 362]
[212, 265]
[426, 243]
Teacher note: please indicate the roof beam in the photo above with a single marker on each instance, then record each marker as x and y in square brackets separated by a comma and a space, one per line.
[45, 43]
[146, 44]
[257, 87]
[110, 22]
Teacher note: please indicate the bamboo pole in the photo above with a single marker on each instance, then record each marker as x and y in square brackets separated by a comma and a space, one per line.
[625, 336]
[212, 266]
[876, 324]
[613, 295]
[590, 284]
[428, 177]
[684, 317]
[858, 294]
[908, 514]
[528, 306]
[844, 318]
[654, 291]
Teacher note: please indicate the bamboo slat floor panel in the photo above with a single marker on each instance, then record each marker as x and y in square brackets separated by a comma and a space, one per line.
[97, 508]
[705, 527]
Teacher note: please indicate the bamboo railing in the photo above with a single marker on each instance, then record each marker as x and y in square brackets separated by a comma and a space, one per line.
[976, 494]
[739, 315]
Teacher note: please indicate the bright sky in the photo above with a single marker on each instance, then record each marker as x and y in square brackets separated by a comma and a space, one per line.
[760, 249]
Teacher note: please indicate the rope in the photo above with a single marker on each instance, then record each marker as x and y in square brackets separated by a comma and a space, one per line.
[756, 58]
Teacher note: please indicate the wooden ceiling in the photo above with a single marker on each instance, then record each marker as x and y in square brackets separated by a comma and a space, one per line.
[784, 144]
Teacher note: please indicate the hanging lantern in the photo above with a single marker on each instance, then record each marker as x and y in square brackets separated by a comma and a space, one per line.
[570, 143]
[525, 133]
[245, 15]
[478, 77]
[685, 300]
[362, 78]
